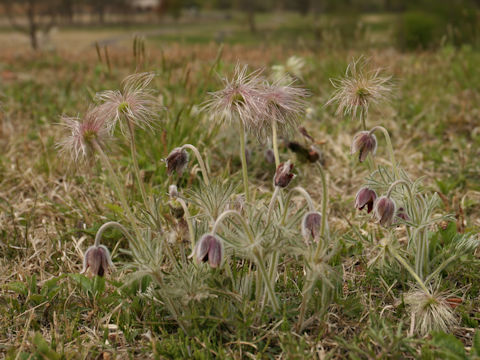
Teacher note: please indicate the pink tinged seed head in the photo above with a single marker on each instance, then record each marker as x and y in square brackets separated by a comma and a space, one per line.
[209, 249]
[284, 174]
[239, 100]
[97, 260]
[284, 104]
[311, 224]
[177, 161]
[84, 135]
[364, 143]
[365, 197]
[134, 102]
[385, 210]
[359, 88]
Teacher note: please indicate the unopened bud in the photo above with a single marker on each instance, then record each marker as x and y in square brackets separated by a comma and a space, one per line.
[365, 197]
[385, 210]
[311, 224]
[97, 259]
[209, 248]
[284, 174]
[364, 143]
[402, 214]
[176, 161]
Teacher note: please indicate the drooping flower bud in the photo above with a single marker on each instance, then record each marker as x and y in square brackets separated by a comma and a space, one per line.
[209, 248]
[365, 197]
[311, 224]
[284, 174]
[177, 161]
[364, 143]
[97, 259]
[402, 214]
[385, 209]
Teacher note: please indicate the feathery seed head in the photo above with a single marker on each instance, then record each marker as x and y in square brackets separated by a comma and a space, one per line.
[239, 100]
[134, 102]
[431, 311]
[359, 88]
[283, 103]
[84, 133]
[364, 143]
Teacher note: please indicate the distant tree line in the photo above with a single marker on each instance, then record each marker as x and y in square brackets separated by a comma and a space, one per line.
[36, 16]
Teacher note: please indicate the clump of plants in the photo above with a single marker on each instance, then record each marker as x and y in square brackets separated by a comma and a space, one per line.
[222, 248]
[405, 212]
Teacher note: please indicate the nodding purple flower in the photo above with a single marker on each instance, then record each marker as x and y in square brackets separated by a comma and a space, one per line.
[402, 214]
[364, 143]
[311, 224]
[240, 99]
[365, 197]
[84, 133]
[134, 102]
[177, 161]
[209, 248]
[97, 260]
[385, 210]
[284, 174]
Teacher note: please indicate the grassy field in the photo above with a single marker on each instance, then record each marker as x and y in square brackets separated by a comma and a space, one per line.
[50, 208]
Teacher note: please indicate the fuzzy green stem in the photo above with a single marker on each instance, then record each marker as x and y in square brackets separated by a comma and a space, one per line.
[118, 188]
[243, 158]
[324, 209]
[188, 219]
[272, 202]
[389, 147]
[111, 224]
[304, 193]
[275, 144]
[203, 168]
[412, 272]
[410, 193]
[258, 258]
[133, 149]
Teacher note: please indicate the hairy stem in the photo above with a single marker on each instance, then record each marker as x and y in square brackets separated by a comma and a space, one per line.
[119, 189]
[389, 147]
[188, 219]
[275, 144]
[112, 224]
[203, 168]
[133, 148]
[243, 158]
[324, 210]
[412, 272]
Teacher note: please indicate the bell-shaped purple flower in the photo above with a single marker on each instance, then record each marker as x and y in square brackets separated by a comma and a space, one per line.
[284, 174]
[311, 224]
[365, 197]
[177, 161]
[209, 248]
[97, 259]
[385, 210]
[364, 143]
